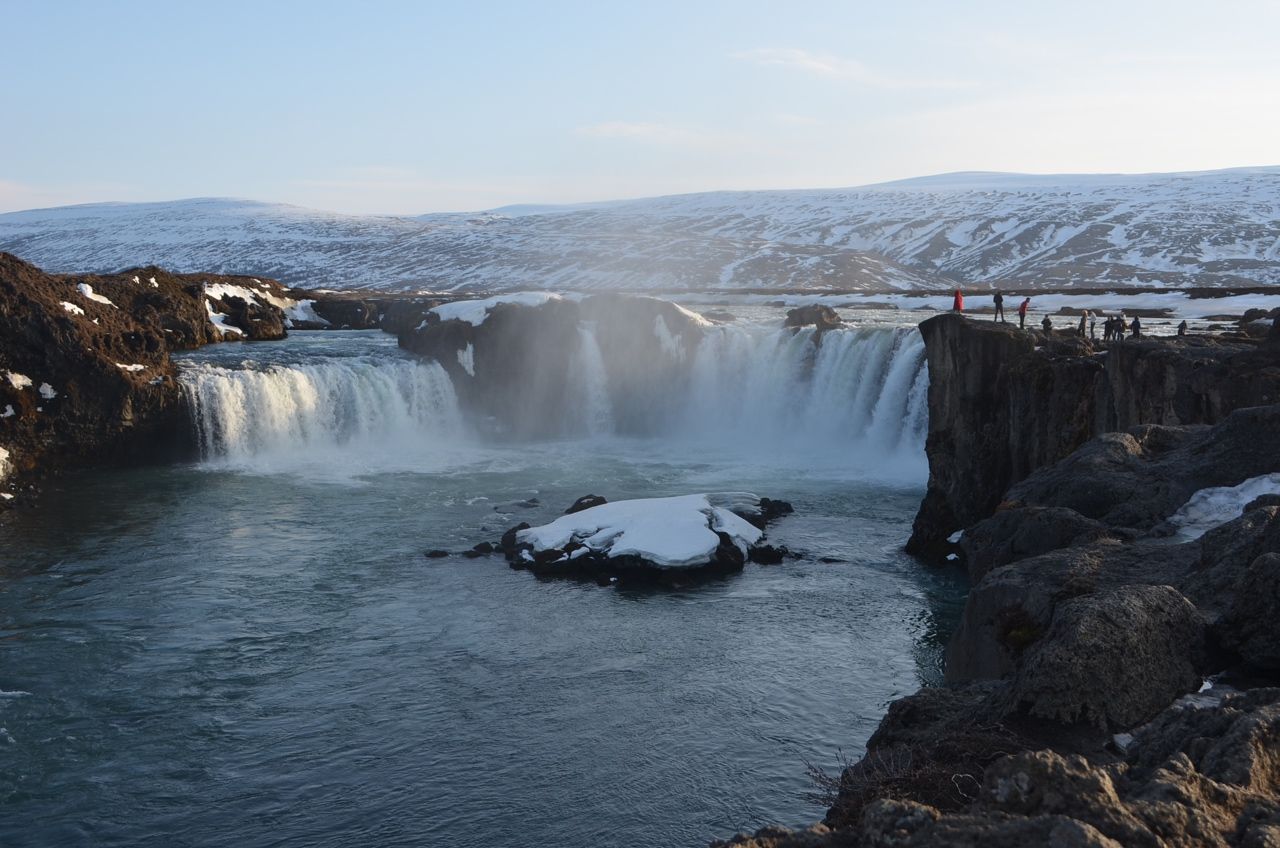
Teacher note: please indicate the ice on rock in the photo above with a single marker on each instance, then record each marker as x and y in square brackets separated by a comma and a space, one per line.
[72, 308]
[47, 392]
[19, 381]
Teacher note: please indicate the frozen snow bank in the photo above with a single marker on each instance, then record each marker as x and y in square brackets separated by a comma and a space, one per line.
[4, 463]
[72, 308]
[19, 381]
[1209, 508]
[87, 290]
[680, 532]
[474, 312]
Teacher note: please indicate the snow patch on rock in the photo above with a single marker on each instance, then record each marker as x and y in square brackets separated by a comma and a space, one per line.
[47, 392]
[72, 308]
[134, 367]
[219, 321]
[474, 312]
[19, 381]
[87, 290]
[467, 359]
[670, 533]
[1210, 508]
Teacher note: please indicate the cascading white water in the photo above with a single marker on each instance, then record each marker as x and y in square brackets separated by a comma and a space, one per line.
[861, 388]
[244, 413]
[856, 394]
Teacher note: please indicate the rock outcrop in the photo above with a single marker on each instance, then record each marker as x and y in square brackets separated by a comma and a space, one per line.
[85, 374]
[521, 363]
[647, 539]
[1003, 403]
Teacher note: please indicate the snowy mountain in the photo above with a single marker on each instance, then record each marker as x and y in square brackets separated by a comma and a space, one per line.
[1218, 228]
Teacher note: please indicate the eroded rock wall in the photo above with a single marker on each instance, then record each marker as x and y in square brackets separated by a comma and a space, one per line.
[1003, 403]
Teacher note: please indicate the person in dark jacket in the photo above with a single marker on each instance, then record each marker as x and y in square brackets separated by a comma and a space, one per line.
[1047, 324]
[999, 301]
[1182, 328]
[1136, 326]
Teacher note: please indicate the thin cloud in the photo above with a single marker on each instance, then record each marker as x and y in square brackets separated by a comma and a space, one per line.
[666, 135]
[838, 68]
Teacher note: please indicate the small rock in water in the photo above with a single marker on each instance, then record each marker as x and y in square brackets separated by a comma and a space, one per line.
[436, 554]
[529, 503]
[484, 548]
[767, 554]
[585, 502]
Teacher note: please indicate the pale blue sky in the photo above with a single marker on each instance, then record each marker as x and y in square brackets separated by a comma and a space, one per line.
[409, 107]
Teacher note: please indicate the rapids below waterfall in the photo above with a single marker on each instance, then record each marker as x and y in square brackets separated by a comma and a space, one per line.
[250, 649]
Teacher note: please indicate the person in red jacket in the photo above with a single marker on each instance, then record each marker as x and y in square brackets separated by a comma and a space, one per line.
[1022, 313]
[957, 303]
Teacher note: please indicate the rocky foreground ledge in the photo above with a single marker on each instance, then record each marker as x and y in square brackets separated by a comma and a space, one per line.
[1115, 680]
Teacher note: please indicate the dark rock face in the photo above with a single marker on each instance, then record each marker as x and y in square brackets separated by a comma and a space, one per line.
[1000, 407]
[517, 370]
[403, 314]
[816, 315]
[1251, 625]
[95, 349]
[1112, 658]
[348, 313]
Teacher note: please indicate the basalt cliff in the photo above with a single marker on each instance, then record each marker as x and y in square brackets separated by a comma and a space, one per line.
[1003, 402]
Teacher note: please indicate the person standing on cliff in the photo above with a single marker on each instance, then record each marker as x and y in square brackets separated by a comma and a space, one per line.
[1093, 326]
[1182, 328]
[999, 301]
[1122, 327]
[1136, 326]
[1022, 313]
[1084, 319]
[1048, 326]
[957, 302]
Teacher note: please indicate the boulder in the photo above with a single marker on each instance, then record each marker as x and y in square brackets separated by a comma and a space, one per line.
[585, 502]
[815, 315]
[1114, 659]
[1252, 623]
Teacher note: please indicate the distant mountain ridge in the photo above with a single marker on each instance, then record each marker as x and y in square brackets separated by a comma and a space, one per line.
[1213, 228]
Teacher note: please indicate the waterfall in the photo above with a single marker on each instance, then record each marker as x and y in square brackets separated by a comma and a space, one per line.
[244, 414]
[860, 387]
[854, 394]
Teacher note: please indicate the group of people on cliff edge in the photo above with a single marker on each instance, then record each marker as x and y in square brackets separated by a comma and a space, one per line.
[1114, 328]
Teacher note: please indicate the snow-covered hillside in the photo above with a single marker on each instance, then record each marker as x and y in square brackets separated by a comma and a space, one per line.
[1211, 228]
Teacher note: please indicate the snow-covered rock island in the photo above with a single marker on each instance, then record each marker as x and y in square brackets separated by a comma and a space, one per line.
[650, 537]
